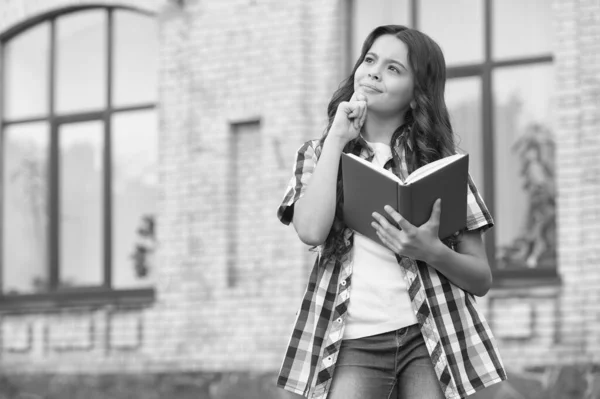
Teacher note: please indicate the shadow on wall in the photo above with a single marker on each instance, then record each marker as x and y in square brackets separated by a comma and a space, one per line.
[569, 382]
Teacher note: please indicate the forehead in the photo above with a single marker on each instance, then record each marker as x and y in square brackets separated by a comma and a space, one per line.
[389, 46]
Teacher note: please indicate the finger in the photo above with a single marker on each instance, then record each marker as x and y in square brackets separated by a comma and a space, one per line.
[363, 116]
[345, 107]
[352, 110]
[360, 96]
[358, 114]
[388, 242]
[357, 124]
[385, 225]
[402, 223]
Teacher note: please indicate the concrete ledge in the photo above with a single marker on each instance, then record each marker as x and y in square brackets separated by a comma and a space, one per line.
[551, 382]
[143, 386]
[556, 382]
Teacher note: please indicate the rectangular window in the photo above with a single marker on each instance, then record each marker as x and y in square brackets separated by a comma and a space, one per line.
[81, 79]
[367, 15]
[457, 26]
[26, 74]
[81, 173]
[463, 99]
[135, 66]
[500, 101]
[135, 197]
[244, 196]
[522, 28]
[524, 167]
[25, 208]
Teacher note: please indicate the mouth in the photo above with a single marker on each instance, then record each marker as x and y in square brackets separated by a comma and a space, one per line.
[370, 88]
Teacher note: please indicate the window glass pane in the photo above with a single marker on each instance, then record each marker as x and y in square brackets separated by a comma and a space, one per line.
[81, 173]
[135, 59]
[26, 75]
[457, 26]
[463, 99]
[25, 209]
[369, 14]
[135, 196]
[524, 166]
[244, 196]
[81, 61]
[522, 28]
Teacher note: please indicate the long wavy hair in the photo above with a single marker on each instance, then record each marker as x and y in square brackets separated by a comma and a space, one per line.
[426, 134]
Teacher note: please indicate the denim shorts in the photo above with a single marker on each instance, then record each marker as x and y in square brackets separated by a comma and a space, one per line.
[394, 364]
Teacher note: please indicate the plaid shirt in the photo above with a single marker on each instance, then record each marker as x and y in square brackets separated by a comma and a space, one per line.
[459, 341]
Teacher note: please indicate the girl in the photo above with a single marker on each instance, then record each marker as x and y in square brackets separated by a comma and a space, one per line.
[393, 321]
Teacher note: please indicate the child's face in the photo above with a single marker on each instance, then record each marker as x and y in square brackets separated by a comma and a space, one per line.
[385, 76]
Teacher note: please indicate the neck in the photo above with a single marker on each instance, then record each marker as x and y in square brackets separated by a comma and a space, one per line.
[380, 130]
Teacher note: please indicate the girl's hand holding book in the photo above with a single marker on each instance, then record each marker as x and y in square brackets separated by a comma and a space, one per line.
[410, 241]
[349, 118]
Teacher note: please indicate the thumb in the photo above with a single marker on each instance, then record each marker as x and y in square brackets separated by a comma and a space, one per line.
[435, 213]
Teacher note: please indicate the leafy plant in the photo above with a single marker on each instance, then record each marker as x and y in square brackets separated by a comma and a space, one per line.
[145, 246]
[537, 241]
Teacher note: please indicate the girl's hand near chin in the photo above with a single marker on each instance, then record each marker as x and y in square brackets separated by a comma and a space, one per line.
[349, 118]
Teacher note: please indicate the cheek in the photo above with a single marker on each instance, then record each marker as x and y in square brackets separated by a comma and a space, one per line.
[403, 92]
[399, 98]
[358, 75]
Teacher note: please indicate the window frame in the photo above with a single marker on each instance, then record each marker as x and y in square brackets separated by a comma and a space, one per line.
[57, 296]
[484, 70]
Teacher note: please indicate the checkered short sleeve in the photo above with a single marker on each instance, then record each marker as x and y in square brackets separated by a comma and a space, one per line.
[306, 160]
[478, 215]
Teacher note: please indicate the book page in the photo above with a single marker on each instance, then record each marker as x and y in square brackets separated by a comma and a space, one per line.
[430, 168]
[384, 172]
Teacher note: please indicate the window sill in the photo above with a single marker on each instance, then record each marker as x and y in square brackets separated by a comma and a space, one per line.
[517, 278]
[95, 297]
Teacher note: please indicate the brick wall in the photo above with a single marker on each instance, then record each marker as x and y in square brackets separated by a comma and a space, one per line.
[225, 64]
[578, 154]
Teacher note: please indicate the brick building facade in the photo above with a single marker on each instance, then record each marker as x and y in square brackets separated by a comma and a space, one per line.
[241, 84]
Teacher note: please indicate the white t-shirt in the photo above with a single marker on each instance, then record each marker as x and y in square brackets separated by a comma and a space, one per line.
[379, 300]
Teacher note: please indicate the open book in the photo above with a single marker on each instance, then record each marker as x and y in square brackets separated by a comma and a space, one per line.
[368, 188]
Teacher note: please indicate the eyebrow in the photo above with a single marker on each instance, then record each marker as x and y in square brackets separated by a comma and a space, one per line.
[388, 60]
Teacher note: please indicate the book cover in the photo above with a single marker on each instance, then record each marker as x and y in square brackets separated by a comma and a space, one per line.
[368, 189]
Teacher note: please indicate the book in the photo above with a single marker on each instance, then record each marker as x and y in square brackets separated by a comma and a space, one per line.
[368, 188]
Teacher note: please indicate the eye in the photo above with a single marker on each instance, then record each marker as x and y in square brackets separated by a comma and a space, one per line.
[393, 68]
[368, 59]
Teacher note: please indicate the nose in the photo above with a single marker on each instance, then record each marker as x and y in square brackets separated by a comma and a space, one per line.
[373, 75]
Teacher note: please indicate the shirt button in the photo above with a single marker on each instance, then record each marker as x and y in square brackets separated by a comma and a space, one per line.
[339, 320]
[343, 283]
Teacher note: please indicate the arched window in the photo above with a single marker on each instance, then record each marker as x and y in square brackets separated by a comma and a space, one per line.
[79, 151]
